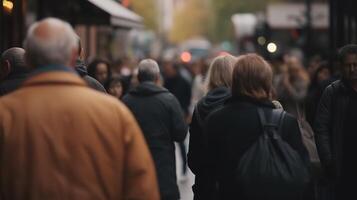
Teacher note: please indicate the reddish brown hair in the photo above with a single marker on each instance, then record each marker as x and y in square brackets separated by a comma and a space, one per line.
[252, 76]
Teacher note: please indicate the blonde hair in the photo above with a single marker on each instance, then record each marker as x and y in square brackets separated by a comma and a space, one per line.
[220, 72]
[252, 76]
[296, 70]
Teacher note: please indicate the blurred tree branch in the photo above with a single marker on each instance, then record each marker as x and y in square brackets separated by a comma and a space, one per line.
[193, 19]
[224, 9]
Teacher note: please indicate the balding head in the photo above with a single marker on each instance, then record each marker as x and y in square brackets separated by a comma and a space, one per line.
[51, 42]
[148, 70]
[12, 62]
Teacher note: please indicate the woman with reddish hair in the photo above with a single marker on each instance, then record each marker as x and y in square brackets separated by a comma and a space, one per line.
[232, 130]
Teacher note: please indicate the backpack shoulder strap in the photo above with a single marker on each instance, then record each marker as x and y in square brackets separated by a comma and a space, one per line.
[278, 118]
[273, 119]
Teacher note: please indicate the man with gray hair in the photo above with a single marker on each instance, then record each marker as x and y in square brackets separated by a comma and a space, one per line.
[63, 140]
[13, 70]
[160, 117]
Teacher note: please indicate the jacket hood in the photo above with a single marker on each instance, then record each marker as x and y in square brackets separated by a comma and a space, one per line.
[147, 89]
[214, 98]
[81, 68]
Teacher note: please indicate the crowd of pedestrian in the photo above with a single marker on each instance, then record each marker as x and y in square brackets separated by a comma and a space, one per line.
[250, 129]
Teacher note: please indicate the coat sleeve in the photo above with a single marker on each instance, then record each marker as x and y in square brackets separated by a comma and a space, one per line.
[139, 173]
[196, 145]
[322, 127]
[186, 98]
[178, 124]
[211, 158]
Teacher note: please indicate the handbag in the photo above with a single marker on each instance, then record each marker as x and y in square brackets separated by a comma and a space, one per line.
[308, 138]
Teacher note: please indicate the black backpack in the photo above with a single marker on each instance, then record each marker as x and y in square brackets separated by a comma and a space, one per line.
[271, 168]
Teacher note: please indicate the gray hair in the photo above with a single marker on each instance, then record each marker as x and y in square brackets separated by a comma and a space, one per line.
[148, 70]
[16, 57]
[50, 41]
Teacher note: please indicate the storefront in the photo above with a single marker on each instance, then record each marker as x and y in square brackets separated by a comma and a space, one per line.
[94, 20]
[97, 22]
[343, 23]
[11, 23]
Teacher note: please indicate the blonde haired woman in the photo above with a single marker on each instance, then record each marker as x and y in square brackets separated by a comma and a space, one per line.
[218, 83]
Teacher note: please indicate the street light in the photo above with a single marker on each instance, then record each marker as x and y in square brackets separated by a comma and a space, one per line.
[8, 5]
[272, 47]
[261, 40]
[186, 56]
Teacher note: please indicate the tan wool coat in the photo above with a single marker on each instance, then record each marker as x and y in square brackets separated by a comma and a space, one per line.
[61, 140]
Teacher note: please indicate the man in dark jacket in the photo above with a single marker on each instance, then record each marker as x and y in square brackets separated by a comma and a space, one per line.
[13, 70]
[161, 120]
[335, 126]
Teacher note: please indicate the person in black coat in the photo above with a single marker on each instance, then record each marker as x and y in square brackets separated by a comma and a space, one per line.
[177, 85]
[175, 82]
[13, 70]
[320, 80]
[335, 128]
[218, 83]
[234, 128]
[160, 117]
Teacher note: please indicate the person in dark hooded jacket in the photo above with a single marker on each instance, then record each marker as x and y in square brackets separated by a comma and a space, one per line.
[218, 83]
[13, 70]
[160, 117]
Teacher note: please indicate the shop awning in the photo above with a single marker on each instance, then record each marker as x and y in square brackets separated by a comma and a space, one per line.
[119, 16]
[90, 12]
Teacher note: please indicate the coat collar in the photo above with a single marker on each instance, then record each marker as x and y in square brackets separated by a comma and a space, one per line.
[54, 75]
[250, 100]
[147, 88]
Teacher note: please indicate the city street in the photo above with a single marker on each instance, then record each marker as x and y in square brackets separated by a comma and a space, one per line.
[258, 97]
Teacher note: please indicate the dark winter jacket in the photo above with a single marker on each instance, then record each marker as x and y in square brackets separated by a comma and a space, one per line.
[231, 131]
[12, 82]
[312, 101]
[214, 100]
[18, 74]
[181, 88]
[161, 120]
[92, 82]
[328, 127]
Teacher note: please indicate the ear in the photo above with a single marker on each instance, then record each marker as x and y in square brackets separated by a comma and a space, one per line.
[82, 54]
[5, 69]
[158, 81]
[74, 56]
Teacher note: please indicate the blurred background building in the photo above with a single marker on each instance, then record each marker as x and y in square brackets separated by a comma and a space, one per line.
[99, 23]
[141, 28]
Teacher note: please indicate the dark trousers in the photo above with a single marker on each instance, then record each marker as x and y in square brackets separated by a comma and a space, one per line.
[184, 157]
